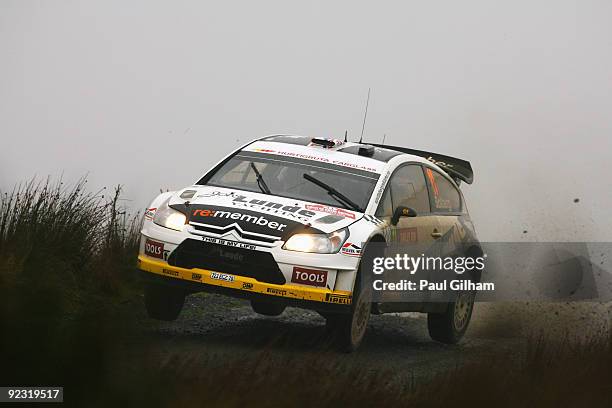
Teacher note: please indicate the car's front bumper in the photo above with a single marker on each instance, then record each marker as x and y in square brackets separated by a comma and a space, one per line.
[200, 280]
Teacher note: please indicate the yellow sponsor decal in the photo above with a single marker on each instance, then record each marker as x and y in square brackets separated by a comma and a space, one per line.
[338, 298]
[243, 283]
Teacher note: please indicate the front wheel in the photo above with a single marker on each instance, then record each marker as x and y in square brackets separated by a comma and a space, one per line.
[267, 308]
[347, 330]
[163, 302]
[450, 326]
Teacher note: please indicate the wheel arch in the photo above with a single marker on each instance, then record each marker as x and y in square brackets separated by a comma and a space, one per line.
[475, 251]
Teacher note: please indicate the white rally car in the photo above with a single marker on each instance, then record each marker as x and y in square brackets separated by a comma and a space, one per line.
[283, 221]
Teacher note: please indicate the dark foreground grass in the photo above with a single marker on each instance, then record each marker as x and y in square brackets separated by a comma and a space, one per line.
[70, 316]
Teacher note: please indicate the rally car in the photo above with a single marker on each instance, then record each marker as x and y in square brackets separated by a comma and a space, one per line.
[285, 221]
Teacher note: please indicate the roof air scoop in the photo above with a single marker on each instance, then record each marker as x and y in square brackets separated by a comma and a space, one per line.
[366, 150]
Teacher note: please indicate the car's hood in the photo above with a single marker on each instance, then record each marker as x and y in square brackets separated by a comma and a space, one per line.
[258, 213]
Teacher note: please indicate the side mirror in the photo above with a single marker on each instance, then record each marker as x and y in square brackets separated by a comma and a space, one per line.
[402, 211]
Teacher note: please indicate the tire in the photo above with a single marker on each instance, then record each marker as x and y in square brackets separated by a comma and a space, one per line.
[325, 315]
[450, 326]
[163, 302]
[267, 308]
[347, 330]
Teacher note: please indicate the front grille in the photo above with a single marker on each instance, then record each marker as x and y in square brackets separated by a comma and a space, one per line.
[220, 258]
[246, 235]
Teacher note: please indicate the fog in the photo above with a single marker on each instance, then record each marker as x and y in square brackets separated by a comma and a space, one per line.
[151, 94]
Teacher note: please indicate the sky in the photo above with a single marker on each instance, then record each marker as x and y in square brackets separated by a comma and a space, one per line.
[151, 94]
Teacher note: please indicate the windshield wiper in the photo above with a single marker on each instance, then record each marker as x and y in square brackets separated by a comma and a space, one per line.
[260, 181]
[341, 198]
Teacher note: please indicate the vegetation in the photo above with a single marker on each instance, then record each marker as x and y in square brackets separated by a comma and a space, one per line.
[65, 233]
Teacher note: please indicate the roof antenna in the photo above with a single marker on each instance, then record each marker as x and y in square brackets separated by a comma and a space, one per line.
[365, 116]
[345, 135]
[384, 137]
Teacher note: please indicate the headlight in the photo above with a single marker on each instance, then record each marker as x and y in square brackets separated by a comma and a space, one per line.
[169, 217]
[317, 243]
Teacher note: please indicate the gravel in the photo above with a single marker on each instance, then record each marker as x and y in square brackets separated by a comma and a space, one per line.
[216, 325]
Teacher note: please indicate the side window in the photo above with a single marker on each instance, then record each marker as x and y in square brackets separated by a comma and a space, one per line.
[385, 206]
[408, 188]
[444, 196]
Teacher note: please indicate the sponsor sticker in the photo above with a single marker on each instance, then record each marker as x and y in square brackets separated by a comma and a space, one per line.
[351, 249]
[338, 299]
[170, 273]
[440, 163]
[331, 210]
[236, 215]
[278, 292]
[232, 256]
[318, 158]
[222, 276]
[274, 208]
[216, 194]
[149, 214]
[381, 189]
[229, 243]
[408, 235]
[310, 277]
[154, 249]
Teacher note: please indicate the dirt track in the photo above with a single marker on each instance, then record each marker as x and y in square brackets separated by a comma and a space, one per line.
[216, 325]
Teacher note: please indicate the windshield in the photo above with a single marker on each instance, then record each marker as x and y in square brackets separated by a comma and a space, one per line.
[280, 176]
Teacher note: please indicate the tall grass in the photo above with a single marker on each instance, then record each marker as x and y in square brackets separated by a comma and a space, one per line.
[67, 259]
[54, 230]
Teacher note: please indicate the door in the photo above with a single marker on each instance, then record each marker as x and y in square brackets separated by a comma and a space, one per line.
[413, 236]
[446, 204]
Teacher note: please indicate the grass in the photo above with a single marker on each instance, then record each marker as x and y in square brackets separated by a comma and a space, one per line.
[65, 233]
[70, 315]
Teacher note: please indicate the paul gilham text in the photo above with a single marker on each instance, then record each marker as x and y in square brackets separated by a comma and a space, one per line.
[423, 284]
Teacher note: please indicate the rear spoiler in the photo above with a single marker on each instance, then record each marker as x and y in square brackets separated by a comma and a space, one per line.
[456, 168]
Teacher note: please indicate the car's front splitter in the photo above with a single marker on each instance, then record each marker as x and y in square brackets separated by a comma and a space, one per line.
[244, 284]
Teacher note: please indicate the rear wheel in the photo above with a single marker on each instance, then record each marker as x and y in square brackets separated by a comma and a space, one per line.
[163, 302]
[267, 308]
[450, 326]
